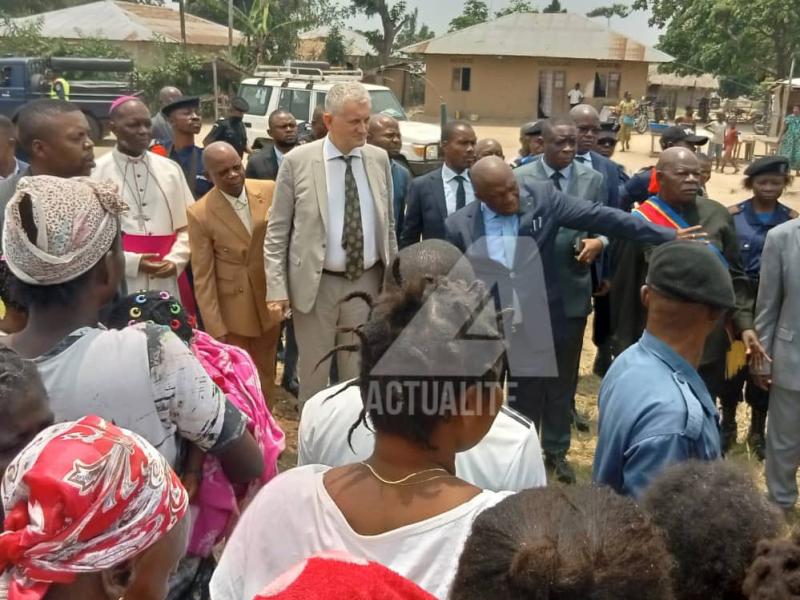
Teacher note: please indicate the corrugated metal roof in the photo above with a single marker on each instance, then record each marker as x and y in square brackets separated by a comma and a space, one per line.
[125, 21]
[545, 35]
[355, 42]
[705, 81]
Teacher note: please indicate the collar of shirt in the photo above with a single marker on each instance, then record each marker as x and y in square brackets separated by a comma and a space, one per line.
[566, 171]
[278, 155]
[121, 156]
[490, 215]
[585, 158]
[448, 174]
[15, 171]
[330, 151]
[236, 202]
[678, 364]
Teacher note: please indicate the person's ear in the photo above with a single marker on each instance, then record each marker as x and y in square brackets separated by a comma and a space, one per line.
[327, 118]
[644, 294]
[115, 580]
[38, 148]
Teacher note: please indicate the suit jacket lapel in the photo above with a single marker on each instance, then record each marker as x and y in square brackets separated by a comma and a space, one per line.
[477, 229]
[320, 183]
[437, 192]
[219, 205]
[258, 207]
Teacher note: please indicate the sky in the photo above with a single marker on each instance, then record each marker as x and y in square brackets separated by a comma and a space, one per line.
[437, 14]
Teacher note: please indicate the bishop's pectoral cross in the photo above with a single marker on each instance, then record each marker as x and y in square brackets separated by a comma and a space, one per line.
[141, 219]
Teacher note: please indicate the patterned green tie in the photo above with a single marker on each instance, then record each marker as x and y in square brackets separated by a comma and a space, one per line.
[352, 233]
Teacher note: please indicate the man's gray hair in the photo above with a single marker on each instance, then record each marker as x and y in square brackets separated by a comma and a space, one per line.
[349, 91]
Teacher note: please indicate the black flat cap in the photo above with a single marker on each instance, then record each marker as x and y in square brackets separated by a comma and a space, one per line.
[532, 128]
[693, 272]
[676, 133]
[240, 104]
[182, 102]
[778, 165]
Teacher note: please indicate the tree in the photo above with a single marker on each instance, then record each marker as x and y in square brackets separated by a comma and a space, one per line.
[615, 10]
[475, 12]
[393, 19]
[335, 51]
[516, 6]
[554, 7]
[741, 42]
[412, 35]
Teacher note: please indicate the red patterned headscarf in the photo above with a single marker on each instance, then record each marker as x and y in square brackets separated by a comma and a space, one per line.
[80, 498]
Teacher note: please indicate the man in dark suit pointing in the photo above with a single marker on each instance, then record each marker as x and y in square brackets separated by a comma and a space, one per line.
[509, 237]
[442, 192]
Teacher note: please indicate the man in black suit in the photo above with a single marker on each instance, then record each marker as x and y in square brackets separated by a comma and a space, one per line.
[434, 196]
[510, 241]
[283, 131]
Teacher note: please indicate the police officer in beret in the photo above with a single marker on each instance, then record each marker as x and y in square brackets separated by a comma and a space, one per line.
[232, 129]
[531, 143]
[766, 178]
[655, 409]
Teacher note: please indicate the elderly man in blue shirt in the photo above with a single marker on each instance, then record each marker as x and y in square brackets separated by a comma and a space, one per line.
[655, 409]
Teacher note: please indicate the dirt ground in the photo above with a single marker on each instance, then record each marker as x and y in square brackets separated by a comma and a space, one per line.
[726, 188]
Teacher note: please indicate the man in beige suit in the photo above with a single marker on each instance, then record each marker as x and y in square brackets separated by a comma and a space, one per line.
[226, 233]
[331, 232]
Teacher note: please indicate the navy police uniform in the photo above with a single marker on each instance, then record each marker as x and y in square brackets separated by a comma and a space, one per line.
[751, 231]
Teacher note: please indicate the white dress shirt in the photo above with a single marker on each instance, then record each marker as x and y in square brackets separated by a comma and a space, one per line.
[242, 208]
[278, 155]
[451, 187]
[335, 255]
[586, 159]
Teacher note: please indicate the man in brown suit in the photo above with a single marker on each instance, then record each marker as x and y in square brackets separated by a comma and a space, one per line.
[226, 233]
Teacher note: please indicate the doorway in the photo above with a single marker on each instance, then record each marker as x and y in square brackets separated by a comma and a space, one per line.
[552, 94]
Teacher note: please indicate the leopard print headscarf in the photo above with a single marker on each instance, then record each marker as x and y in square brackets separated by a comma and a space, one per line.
[76, 222]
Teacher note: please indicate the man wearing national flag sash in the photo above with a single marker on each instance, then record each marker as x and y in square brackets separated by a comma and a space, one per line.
[678, 206]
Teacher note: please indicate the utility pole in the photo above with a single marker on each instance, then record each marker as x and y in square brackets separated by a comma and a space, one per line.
[182, 11]
[230, 27]
[786, 94]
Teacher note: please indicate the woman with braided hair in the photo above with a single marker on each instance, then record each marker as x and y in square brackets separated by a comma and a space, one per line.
[431, 367]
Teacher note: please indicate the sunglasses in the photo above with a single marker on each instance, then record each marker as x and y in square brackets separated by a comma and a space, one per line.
[607, 142]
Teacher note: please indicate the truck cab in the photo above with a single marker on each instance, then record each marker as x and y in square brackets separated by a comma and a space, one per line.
[23, 79]
[300, 89]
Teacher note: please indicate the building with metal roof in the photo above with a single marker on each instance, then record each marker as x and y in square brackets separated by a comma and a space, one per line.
[138, 28]
[312, 44]
[521, 66]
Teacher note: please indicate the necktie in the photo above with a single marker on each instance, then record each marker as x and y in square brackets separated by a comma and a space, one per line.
[461, 193]
[352, 232]
[557, 177]
[582, 159]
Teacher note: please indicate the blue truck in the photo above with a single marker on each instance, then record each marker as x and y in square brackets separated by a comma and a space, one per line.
[23, 79]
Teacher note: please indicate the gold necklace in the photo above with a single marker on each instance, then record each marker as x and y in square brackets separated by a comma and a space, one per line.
[403, 481]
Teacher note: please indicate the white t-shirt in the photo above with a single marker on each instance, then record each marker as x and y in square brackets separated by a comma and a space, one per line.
[575, 96]
[293, 517]
[508, 458]
[142, 378]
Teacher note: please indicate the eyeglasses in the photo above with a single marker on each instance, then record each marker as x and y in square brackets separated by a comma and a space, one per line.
[608, 143]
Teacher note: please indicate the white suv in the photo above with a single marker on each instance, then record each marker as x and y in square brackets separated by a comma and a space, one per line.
[300, 89]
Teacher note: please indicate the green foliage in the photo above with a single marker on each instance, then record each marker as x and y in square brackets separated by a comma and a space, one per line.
[475, 12]
[177, 67]
[413, 34]
[615, 10]
[554, 7]
[741, 42]
[516, 6]
[335, 51]
[394, 18]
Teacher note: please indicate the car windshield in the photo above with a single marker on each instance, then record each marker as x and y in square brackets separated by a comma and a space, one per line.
[384, 101]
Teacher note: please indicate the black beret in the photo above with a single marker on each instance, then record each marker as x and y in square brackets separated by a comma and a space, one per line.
[693, 272]
[768, 164]
[183, 102]
[240, 104]
[533, 128]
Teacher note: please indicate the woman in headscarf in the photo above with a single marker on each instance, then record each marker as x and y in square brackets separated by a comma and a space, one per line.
[92, 512]
[62, 243]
